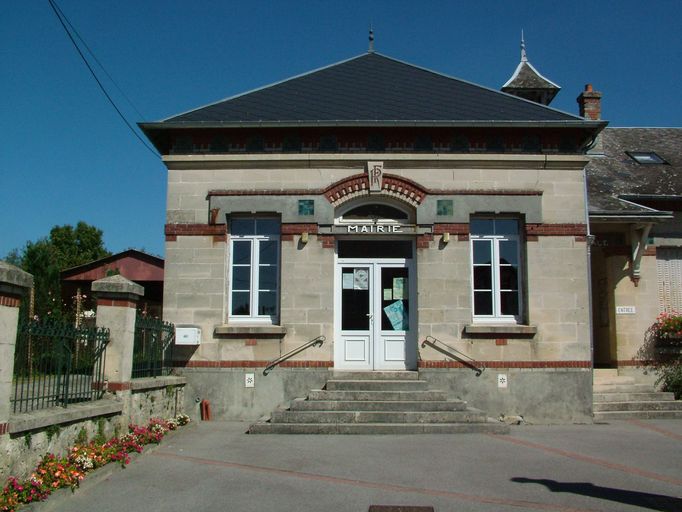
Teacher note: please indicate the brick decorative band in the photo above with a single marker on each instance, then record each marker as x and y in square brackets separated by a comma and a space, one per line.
[118, 386]
[4, 428]
[509, 364]
[422, 364]
[171, 230]
[10, 301]
[255, 364]
[556, 229]
[297, 229]
[453, 229]
[118, 303]
[631, 362]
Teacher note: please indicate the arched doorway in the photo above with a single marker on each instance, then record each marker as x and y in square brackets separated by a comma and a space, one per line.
[375, 300]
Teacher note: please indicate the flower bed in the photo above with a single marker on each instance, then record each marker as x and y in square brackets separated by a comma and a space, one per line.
[67, 471]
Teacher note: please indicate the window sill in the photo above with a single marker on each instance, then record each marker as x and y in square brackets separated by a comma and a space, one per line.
[513, 329]
[249, 330]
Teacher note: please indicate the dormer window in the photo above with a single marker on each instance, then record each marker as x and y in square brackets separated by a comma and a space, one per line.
[645, 157]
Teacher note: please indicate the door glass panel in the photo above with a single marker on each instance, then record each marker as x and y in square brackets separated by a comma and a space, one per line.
[375, 249]
[355, 297]
[394, 299]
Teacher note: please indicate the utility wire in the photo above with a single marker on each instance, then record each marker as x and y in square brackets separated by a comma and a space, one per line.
[92, 54]
[57, 12]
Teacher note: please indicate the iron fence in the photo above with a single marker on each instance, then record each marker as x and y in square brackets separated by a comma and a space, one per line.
[56, 364]
[153, 349]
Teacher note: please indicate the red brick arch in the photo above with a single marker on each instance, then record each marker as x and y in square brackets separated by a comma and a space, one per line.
[358, 186]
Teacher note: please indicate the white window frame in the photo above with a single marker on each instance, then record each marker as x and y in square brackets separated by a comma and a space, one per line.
[256, 240]
[494, 240]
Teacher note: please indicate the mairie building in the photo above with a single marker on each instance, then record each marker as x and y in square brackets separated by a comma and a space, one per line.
[373, 205]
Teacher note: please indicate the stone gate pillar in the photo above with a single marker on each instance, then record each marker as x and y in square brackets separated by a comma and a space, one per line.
[14, 284]
[117, 299]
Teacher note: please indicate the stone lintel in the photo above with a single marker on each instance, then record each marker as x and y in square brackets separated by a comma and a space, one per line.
[149, 383]
[13, 280]
[117, 287]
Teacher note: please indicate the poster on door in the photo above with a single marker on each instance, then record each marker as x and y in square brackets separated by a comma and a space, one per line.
[397, 315]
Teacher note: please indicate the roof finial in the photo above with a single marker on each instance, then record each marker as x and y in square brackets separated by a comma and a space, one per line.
[371, 39]
[524, 58]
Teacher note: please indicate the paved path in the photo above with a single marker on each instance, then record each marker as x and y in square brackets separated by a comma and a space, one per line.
[623, 466]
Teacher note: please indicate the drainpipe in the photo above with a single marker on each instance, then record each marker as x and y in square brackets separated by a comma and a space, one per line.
[589, 239]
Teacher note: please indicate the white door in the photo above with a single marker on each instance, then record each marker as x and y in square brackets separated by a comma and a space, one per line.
[375, 314]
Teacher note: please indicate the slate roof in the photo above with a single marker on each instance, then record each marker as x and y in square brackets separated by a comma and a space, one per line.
[616, 182]
[527, 77]
[372, 89]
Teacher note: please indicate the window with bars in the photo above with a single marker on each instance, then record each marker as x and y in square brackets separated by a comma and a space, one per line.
[254, 269]
[496, 269]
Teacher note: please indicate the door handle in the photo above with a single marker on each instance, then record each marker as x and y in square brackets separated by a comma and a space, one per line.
[371, 316]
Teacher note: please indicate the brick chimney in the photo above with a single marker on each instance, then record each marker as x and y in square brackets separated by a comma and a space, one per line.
[589, 102]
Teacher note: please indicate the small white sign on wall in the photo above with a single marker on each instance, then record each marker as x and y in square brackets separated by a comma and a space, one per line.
[249, 380]
[502, 380]
[626, 310]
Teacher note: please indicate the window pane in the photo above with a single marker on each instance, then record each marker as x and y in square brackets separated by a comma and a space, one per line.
[267, 279]
[509, 278]
[267, 303]
[483, 303]
[242, 227]
[506, 227]
[481, 226]
[241, 252]
[268, 252]
[510, 303]
[267, 226]
[482, 251]
[240, 303]
[241, 278]
[380, 211]
[509, 252]
[483, 279]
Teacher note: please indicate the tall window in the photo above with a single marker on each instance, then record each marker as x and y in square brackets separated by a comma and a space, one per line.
[496, 272]
[254, 269]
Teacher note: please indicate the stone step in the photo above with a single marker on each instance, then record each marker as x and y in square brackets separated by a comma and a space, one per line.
[657, 396]
[385, 375]
[637, 406]
[301, 404]
[637, 415]
[376, 385]
[378, 396]
[467, 416]
[623, 388]
[379, 428]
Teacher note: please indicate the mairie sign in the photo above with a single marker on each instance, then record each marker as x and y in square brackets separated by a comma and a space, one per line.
[374, 228]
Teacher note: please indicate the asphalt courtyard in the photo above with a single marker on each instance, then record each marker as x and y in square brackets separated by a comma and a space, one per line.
[214, 466]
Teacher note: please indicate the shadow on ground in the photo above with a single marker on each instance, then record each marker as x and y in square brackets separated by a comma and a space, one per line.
[636, 498]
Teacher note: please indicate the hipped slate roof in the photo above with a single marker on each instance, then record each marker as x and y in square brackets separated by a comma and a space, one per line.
[372, 89]
[616, 182]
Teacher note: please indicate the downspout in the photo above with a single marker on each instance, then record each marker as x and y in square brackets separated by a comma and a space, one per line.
[589, 241]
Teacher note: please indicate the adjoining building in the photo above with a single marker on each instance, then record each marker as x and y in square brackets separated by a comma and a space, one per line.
[635, 197]
[377, 203]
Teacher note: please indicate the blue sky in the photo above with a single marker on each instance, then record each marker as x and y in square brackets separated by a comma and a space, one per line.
[66, 156]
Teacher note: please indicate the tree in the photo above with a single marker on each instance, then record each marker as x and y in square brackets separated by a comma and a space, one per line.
[45, 258]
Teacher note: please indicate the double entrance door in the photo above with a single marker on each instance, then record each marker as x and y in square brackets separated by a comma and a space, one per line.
[375, 314]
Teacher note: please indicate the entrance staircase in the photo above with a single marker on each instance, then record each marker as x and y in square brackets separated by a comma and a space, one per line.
[618, 397]
[377, 403]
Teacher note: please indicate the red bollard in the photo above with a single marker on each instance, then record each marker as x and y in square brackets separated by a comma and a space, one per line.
[205, 410]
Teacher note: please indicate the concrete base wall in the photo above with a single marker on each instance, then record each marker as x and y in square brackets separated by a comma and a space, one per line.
[541, 396]
[229, 398]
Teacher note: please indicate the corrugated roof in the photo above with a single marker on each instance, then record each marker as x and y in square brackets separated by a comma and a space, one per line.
[371, 88]
[615, 180]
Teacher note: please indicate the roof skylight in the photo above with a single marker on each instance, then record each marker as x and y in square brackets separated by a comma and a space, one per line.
[646, 157]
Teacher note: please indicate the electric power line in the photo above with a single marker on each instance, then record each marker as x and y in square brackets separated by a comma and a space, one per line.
[57, 12]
